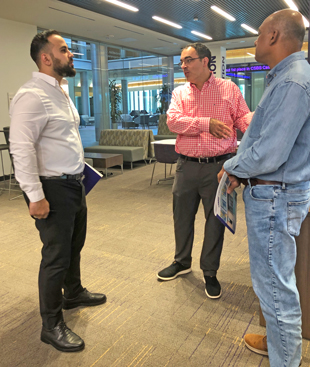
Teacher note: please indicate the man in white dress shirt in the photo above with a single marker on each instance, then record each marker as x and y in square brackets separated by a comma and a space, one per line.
[48, 159]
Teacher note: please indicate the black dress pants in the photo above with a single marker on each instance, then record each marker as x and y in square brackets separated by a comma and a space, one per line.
[63, 235]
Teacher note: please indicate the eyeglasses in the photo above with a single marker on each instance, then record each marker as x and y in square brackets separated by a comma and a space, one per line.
[188, 61]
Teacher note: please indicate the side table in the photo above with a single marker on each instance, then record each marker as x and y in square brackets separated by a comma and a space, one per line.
[105, 160]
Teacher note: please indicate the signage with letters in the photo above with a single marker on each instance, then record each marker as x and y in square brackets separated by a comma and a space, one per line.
[247, 68]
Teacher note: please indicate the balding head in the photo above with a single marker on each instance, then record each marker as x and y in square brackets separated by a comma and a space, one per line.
[290, 25]
[280, 35]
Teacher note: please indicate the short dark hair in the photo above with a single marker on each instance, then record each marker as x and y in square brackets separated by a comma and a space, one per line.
[202, 51]
[39, 41]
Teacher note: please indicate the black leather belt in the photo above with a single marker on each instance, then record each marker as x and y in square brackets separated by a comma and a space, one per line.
[77, 177]
[257, 181]
[206, 159]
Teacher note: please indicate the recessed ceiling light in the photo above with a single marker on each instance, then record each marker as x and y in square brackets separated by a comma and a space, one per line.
[306, 22]
[123, 5]
[293, 6]
[223, 13]
[202, 35]
[248, 28]
[162, 20]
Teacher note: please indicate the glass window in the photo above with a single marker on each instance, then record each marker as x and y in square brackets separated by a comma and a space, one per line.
[137, 78]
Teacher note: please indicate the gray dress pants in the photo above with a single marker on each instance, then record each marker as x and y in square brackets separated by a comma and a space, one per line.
[194, 182]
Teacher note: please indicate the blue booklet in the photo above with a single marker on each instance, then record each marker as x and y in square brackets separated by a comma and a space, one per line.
[91, 177]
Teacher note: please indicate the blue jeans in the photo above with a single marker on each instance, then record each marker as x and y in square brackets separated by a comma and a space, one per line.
[274, 215]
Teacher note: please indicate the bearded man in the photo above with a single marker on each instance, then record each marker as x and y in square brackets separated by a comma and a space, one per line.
[49, 163]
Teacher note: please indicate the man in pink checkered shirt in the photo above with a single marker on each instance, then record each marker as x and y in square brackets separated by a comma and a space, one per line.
[205, 113]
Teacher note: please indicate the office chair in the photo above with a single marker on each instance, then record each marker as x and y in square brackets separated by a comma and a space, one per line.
[6, 131]
[165, 153]
[2, 148]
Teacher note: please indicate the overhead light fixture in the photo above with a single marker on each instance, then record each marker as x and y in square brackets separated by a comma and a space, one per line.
[248, 53]
[77, 53]
[293, 6]
[123, 5]
[306, 22]
[159, 19]
[223, 13]
[248, 28]
[202, 35]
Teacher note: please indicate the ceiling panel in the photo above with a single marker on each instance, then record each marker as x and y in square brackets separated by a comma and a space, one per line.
[183, 12]
[101, 21]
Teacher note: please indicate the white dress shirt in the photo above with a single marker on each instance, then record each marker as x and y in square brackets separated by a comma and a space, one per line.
[44, 134]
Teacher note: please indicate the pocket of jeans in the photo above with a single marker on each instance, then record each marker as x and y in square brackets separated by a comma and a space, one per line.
[262, 193]
[296, 213]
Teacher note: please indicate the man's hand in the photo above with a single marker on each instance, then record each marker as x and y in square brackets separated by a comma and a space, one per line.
[218, 129]
[234, 181]
[39, 209]
[220, 174]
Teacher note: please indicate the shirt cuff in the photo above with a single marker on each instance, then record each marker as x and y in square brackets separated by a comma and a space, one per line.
[232, 167]
[229, 166]
[35, 195]
[204, 123]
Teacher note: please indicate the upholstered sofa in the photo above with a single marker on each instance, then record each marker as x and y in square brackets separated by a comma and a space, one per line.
[134, 145]
[163, 130]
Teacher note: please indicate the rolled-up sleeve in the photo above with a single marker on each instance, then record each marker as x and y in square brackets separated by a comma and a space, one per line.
[241, 114]
[180, 122]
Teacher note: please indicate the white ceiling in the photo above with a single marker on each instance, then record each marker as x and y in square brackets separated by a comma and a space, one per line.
[89, 25]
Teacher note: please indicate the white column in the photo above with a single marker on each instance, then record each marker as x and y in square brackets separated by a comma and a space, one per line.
[100, 67]
[218, 61]
[84, 93]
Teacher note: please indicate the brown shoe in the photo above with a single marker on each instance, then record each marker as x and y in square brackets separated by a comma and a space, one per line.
[256, 343]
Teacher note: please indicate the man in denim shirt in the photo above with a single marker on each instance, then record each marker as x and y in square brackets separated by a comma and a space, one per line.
[273, 162]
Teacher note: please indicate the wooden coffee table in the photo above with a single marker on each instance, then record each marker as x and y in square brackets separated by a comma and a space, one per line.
[105, 160]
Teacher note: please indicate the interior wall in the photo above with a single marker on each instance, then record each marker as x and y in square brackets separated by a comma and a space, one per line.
[16, 67]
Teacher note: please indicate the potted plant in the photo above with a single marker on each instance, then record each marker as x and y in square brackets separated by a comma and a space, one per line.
[164, 97]
[115, 101]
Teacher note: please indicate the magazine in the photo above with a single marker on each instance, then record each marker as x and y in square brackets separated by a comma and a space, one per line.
[225, 205]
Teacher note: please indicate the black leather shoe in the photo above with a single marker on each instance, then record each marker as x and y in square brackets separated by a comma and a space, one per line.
[85, 298]
[62, 338]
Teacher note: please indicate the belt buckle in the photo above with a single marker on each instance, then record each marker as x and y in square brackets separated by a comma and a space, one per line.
[202, 160]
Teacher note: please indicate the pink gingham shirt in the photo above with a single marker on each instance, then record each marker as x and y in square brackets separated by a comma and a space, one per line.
[190, 112]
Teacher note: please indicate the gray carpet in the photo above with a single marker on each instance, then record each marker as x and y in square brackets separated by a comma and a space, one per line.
[145, 322]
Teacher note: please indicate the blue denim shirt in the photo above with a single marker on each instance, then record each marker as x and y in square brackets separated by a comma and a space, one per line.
[276, 146]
